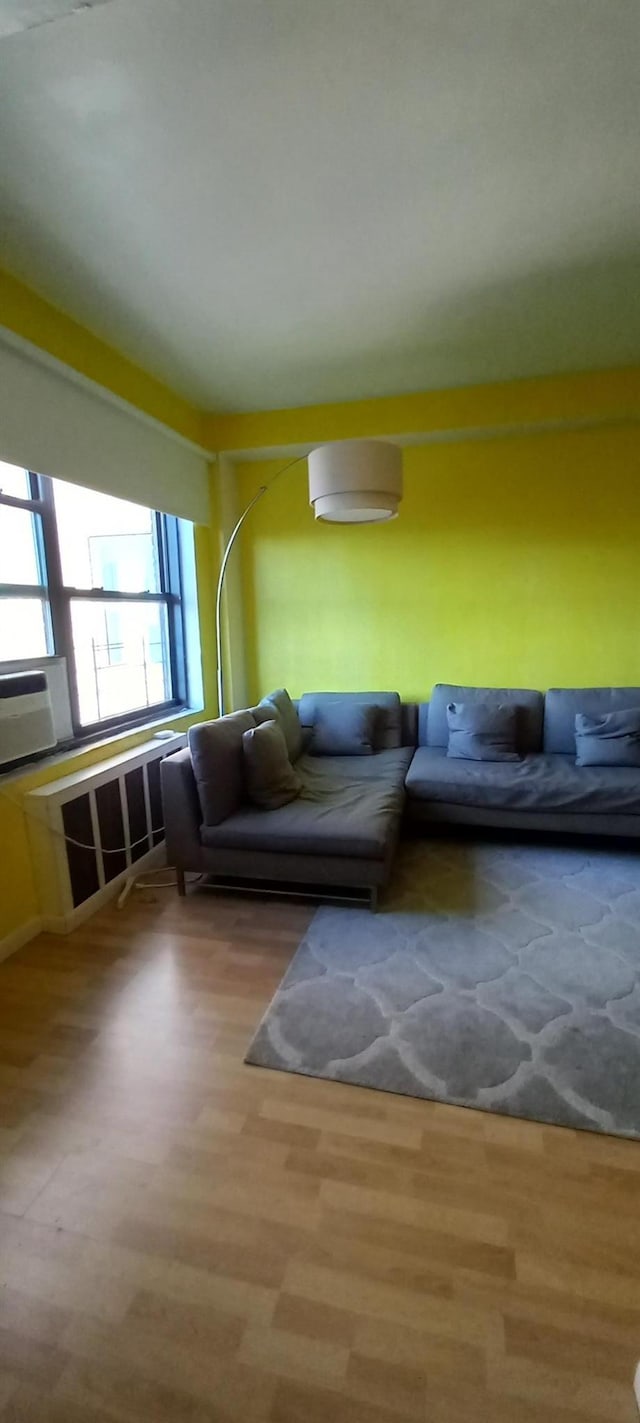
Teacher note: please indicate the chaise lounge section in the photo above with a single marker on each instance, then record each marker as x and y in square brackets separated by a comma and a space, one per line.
[341, 830]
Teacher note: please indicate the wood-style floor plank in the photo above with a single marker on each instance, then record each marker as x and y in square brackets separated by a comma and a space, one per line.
[184, 1239]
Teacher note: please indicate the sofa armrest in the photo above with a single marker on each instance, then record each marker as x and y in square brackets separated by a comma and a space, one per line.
[181, 811]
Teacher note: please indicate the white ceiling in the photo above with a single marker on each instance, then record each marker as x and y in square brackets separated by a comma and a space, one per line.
[16, 15]
[278, 202]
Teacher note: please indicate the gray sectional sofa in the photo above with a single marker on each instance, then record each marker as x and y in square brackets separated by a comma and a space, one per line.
[545, 789]
[342, 828]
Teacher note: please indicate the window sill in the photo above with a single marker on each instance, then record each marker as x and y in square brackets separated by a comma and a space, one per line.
[114, 741]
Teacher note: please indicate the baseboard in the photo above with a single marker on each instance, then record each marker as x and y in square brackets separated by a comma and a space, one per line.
[12, 942]
[64, 923]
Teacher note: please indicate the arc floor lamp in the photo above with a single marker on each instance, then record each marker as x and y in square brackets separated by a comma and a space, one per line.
[350, 482]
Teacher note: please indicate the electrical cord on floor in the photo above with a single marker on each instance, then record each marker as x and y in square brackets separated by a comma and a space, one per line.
[131, 882]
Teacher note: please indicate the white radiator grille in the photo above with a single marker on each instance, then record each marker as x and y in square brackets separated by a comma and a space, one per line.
[90, 830]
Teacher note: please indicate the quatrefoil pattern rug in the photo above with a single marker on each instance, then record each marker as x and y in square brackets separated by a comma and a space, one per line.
[498, 976]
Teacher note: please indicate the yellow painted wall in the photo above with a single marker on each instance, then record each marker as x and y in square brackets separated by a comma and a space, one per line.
[514, 561]
[588, 395]
[29, 316]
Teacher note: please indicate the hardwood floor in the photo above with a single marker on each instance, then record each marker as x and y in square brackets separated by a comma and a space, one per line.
[186, 1239]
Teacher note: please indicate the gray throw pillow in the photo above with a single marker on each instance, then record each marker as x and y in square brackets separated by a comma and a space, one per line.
[218, 764]
[609, 740]
[261, 713]
[478, 732]
[344, 729]
[269, 776]
[280, 705]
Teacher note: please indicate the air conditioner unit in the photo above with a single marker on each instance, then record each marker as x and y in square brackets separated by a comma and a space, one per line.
[26, 717]
[55, 669]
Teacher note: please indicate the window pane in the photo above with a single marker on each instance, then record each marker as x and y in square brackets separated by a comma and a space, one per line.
[24, 628]
[14, 481]
[105, 542]
[18, 547]
[121, 656]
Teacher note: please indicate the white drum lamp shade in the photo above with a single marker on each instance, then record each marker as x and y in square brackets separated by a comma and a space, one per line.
[355, 481]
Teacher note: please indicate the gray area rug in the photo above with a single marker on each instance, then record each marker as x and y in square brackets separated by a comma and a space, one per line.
[498, 976]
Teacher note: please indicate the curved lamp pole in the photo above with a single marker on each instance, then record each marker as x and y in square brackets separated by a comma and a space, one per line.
[223, 568]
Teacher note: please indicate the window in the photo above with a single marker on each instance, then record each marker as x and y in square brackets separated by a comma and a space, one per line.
[95, 580]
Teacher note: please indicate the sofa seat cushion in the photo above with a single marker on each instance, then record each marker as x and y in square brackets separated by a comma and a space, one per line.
[536, 783]
[340, 811]
[390, 766]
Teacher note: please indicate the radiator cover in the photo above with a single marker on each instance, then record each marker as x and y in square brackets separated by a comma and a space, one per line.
[111, 816]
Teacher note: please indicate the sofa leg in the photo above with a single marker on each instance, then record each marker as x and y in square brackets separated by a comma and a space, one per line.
[373, 898]
[180, 881]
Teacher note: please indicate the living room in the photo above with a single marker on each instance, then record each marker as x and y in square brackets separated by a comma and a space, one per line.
[266, 1154]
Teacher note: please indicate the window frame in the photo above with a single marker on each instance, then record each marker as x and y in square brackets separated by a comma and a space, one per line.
[59, 596]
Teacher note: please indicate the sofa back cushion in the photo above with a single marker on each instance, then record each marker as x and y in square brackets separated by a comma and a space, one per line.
[388, 730]
[563, 704]
[218, 764]
[344, 729]
[529, 710]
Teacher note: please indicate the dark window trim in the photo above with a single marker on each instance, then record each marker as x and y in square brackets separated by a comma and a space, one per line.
[60, 596]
